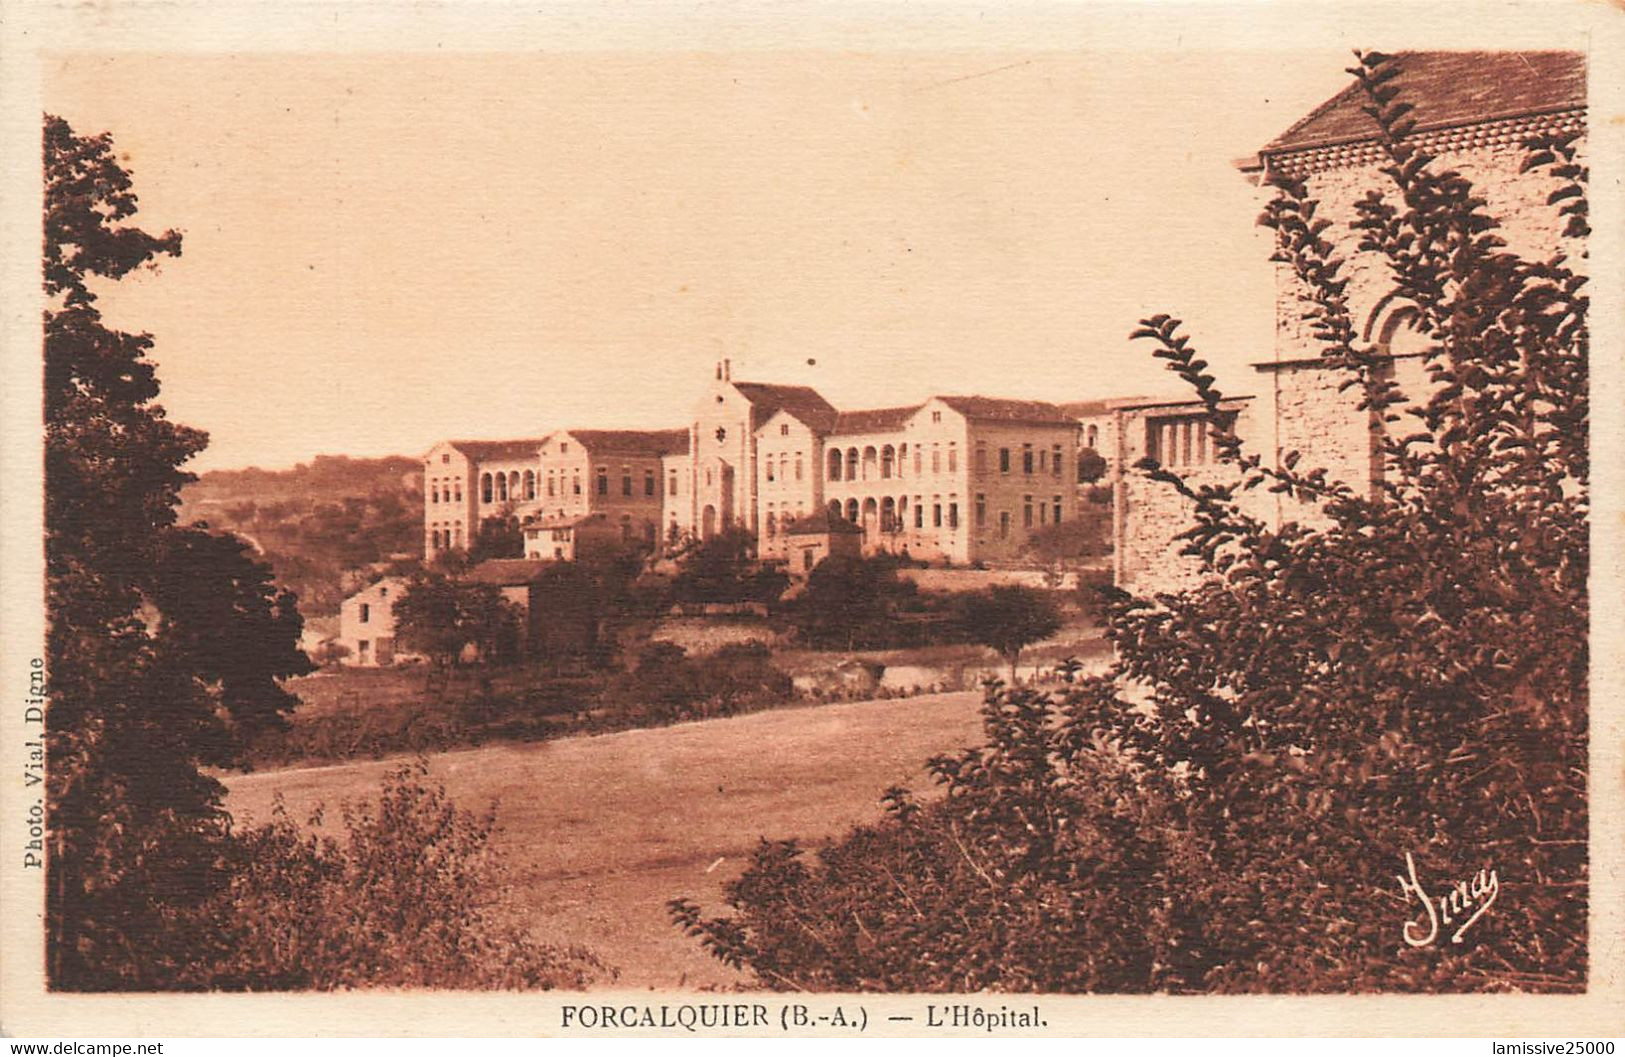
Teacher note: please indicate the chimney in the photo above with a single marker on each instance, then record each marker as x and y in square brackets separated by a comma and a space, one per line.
[727, 370]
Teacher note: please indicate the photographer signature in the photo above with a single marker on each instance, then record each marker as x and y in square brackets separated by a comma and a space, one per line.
[1476, 895]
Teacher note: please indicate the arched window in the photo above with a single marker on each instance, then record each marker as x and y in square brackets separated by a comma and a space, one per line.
[1397, 332]
[1092, 437]
[502, 487]
[888, 459]
[530, 484]
[834, 465]
[870, 459]
[485, 488]
[434, 539]
[835, 504]
[852, 511]
[434, 493]
[852, 465]
[513, 484]
[888, 514]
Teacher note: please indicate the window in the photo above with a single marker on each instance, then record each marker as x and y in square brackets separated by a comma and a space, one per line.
[366, 612]
[1055, 461]
[953, 515]
[502, 487]
[603, 480]
[530, 484]
[671, 485]
[1043, 514]
[626, 526]
[1004, 460]
[852, 511]
[575, 483]
[1055, 509]
[485, 488]
[458, 491]
[772, 524]
[1027, 459]
[626, 481]
[936, 459]
[564, 446]
[550, 492]
[363, 649]
[784, 429]
[1092, 437]
[936, 416]
[1043, 461]
[919, 513]
[798, 466]
[1004, 524]
[953, 459]
[981, 511]
[434, 494]
[981, 457]
[1027, 511]
[919, 457]
[445, 458]
[936, 513]
[769, 462]
[648, 482]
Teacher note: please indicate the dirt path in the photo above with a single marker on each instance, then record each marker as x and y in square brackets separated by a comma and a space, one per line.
[599, 832]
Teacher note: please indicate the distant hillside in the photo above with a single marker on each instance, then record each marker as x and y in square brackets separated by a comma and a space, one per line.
[324, 526]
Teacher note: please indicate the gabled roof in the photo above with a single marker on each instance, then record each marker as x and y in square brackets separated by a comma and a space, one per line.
[563, 520]
[802, 401]
[874, 420]
[641, 442]
[486, 450]
[993, 409]
[1449, 88]
[820, 523]
[506, 572]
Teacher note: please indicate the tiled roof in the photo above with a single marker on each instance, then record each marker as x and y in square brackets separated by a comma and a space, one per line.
[1450, 88]
[802, 401]
[484, 450]
[993, 409]
[645, 442]
[1087, 408]
[873, 420]
[506, 572]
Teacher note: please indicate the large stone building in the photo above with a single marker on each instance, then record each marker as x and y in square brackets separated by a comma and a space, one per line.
[955, 478]
[1473, 111]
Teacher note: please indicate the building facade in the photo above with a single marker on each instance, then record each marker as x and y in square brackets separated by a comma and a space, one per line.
[367, 624]
[1474, 111]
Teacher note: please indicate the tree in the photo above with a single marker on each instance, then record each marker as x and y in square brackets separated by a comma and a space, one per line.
[499, 536]
[1009, 618]
[1396, 685]
[165, 646]
[724, 569]
[851, 602]
[441, 617]
[1091, 466]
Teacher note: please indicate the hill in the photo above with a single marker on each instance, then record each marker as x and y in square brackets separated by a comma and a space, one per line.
[324, 526]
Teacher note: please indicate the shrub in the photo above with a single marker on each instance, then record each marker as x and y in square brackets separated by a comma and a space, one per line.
[409, 898]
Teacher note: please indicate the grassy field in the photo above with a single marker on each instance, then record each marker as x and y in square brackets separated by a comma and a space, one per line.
[599, 832]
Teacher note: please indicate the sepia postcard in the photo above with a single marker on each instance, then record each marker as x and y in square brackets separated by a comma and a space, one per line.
[882, 519]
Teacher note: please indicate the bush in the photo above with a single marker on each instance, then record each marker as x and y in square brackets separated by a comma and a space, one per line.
[407, 899]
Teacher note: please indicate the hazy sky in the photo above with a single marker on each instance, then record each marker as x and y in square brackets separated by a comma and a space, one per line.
[381, 252]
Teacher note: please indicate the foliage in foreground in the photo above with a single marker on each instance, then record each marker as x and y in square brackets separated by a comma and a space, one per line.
[409, 896]
[1402, 673]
